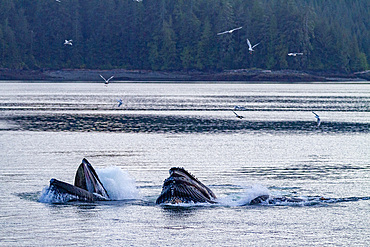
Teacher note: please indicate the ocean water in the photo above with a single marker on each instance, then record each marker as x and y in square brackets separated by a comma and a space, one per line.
[46, 129]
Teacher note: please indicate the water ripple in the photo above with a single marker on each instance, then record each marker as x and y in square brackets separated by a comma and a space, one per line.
[171, 124]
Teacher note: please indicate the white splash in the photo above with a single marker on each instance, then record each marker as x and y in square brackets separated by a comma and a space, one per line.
[245, 197]
[118, 183]
[50, 196]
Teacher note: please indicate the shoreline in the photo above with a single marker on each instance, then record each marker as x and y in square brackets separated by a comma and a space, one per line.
[238, 75]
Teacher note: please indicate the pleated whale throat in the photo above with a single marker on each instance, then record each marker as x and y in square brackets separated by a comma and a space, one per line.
[182, 187]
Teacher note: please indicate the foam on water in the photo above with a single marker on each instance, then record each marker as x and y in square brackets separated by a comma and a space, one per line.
[118, 183]
[188, 204]
[232, 200]
[245, 197]
[50, 196]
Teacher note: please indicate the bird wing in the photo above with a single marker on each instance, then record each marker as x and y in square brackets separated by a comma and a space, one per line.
[255, 45]
[315, 114]
[103, 78]
[110, 77]
[249, 43]
[232, 30]
[222, 33]
[236, 114]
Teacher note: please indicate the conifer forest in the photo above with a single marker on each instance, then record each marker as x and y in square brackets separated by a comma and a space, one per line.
[173, 35]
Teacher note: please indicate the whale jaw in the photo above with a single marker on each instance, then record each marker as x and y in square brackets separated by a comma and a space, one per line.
[182, 187]
[74, 193]
[87, 186]
[87, 179]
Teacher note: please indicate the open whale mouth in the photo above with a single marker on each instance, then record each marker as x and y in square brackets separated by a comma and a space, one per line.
[86, 178]
[87, 186]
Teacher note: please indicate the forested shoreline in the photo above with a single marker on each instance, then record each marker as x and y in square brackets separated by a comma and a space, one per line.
[181, 35]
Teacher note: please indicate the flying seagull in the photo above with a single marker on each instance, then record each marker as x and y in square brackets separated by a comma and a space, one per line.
[318, 119]
[230, 31]
[240, 108]
[68, 42]
[106, 81]
[120, 102]
[238, 116]
[294, 54]
[250, 46]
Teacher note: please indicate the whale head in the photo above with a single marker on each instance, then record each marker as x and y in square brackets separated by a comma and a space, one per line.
[182, 187]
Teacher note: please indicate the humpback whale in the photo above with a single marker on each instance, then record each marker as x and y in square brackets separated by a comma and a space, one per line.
[182, 187]
[87, 186]
[179, 187]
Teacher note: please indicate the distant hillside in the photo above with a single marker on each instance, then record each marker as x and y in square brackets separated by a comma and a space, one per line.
[181, 35]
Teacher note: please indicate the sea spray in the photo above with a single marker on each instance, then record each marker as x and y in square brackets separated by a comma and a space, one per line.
[118, 183]
[244, 198]
[50, 196]
[253, 192]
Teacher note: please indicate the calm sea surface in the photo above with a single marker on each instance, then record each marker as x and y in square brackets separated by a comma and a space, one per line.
[46, 129]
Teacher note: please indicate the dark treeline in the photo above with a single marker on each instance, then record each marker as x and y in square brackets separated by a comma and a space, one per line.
[182, 34]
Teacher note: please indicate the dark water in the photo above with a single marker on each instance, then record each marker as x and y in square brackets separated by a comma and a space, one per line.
[172, 124]
[47, 128]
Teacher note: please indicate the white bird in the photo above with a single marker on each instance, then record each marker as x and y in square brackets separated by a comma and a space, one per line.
[238, 116]
[294, 54]
[250, 47]
[240, 108]
[318, 119]
[120, 102]
[106, 81]
[68, 42]
[230, 31]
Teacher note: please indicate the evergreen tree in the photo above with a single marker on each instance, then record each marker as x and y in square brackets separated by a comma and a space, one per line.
[182, 34]
[206, 48]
